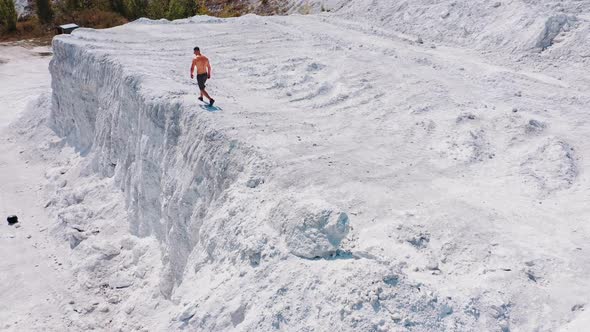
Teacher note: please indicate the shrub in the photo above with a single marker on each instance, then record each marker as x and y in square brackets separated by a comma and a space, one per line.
[135, 8]
[229, 11]
[180, 9]
[118, 6]
[100, 19]
[30, 28]
[202, 8]
[93, 18]
[71, 5]
[158, 9]
[271, 7]
[44, 11]
[8, 16]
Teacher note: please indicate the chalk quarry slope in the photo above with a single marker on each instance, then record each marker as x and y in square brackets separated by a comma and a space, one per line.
[350, 179]
[508, 26]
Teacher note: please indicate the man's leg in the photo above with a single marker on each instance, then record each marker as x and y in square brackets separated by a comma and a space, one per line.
[201, 83]
[211, 100]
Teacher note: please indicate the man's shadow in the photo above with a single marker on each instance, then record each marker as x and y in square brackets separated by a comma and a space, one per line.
[211, 108]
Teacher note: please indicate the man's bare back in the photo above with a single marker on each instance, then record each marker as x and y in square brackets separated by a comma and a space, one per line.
[201, 62]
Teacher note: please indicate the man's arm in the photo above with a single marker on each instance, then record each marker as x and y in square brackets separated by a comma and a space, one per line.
[193, 68]
[208, 69]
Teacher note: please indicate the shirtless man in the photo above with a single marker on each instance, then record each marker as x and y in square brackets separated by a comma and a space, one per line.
[203, 73]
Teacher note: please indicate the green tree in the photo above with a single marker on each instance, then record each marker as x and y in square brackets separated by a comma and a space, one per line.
[72, 5]
[202, 8]
[157, 9]
[44, 11]
[118, 6]
[180, 9]
[8, 15]
[135, 8]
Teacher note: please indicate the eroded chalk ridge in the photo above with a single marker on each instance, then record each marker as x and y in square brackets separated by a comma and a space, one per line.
[175, 169]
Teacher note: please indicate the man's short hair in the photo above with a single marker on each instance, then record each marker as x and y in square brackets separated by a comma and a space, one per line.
[196, 48]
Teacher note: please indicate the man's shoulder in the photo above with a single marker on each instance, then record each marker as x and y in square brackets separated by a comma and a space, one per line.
[200, 59]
